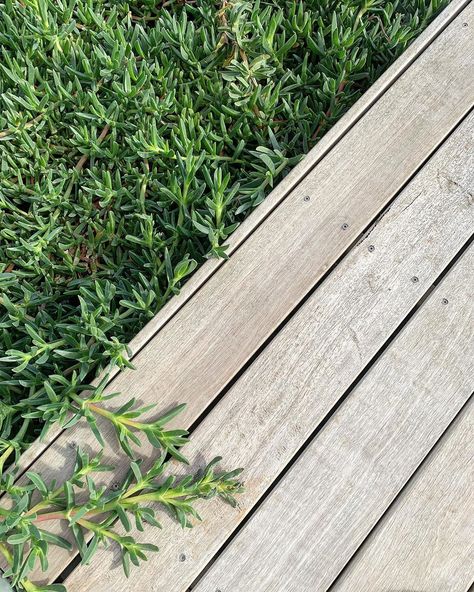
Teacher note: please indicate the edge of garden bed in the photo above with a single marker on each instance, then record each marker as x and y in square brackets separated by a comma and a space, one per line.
[271, 202]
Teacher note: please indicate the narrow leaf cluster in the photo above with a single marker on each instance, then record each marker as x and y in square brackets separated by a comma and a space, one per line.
[96, 516]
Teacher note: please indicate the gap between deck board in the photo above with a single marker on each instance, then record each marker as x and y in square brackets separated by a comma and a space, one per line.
[365, 288]
[426, 539]
[318, 515]
[339, 130]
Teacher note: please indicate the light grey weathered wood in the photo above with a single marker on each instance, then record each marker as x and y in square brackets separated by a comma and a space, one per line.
[272, 409]
[321, 511]
[426, 541]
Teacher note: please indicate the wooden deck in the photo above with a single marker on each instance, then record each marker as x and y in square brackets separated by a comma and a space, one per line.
[332, 356]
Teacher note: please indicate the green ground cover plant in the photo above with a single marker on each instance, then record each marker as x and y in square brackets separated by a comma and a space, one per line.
[134, 138]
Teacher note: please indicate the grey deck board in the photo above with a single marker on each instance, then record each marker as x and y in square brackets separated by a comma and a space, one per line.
[317, 516]
[271, 411]
[426, 541]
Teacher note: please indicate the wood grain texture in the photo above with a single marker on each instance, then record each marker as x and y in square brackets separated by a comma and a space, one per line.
[318, 515]
[425, 543]
[273, 200]
[274, 407]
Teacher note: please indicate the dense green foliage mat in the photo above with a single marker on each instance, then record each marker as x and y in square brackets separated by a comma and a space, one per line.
[134, 137]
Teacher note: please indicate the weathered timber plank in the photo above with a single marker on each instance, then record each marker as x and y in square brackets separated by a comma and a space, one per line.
[279, 193]
[273, 408]
[426, 540]
[318, 515]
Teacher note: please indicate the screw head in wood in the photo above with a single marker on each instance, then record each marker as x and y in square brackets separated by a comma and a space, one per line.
[306, 198]
[345, 226]
[115, 485]
[415, 279]
[182, 557]
[465, 25]
[371, 248]
[444, 301]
